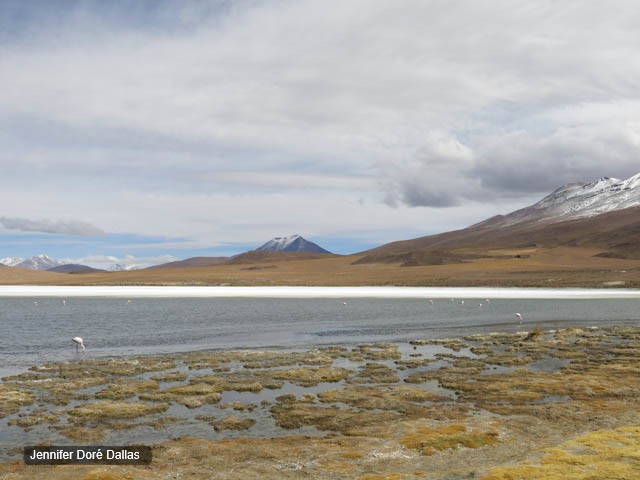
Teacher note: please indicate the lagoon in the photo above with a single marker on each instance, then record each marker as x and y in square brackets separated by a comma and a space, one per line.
[37, 323]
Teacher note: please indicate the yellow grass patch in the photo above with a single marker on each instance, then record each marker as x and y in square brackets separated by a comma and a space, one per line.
[603, 454]
[429, 440]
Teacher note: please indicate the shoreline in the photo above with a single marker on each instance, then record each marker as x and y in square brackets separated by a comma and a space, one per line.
[477, 406]
[8, 291]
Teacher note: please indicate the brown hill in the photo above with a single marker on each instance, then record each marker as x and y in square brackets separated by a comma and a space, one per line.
[192, 262]
[617, 234]
[255, 256]
[17, 276]
[74, 269]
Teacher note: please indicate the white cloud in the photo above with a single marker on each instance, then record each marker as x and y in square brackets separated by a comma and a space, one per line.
[62, 227]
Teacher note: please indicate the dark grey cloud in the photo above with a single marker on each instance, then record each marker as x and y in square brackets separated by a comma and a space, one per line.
[524, 162]
[437, 175]
[516, 164]
[63, 227]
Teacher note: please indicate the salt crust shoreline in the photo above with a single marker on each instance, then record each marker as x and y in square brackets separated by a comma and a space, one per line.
[313, 292]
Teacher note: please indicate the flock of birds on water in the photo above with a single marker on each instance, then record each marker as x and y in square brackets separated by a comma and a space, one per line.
[79, 342]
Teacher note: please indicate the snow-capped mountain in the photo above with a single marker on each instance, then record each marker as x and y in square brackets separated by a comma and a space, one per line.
[45, 262]
[37, 262]
[123, 267]
[604, 215]
[294, 243]
[577, 200]
[11, 261]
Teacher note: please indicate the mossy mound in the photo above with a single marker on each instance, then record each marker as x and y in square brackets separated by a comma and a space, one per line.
[392, 397]
[170, 377]
[37, 417]
[108, 410]
[192, 396]
[308, 377]
[296, 415]
[11, 400]
[120, 391]
[374, 373]
[233, 423]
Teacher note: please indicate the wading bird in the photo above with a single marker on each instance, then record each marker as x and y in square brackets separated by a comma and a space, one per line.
[520, 317]
[79, 343]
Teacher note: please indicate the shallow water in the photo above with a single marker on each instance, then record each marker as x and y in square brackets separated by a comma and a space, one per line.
[39, 329]
[173, 325]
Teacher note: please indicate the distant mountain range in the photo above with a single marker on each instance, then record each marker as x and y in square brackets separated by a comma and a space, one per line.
[37, 262]
[278, 248]
[581, 234]
[44, 262]
[292, 244]
[603, 214]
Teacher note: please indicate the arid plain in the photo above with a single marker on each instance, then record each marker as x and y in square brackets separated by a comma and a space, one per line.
[516, 267]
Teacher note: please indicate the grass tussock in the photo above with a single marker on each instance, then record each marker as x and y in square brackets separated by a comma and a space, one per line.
[309, 377]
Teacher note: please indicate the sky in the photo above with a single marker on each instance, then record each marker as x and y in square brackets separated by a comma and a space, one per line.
[140, 131]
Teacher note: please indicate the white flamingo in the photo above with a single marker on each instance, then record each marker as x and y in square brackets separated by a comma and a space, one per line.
[79, 343]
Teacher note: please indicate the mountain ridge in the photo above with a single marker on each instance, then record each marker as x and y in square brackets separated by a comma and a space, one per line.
[601, 214]
[576, 200]
[37, 262]
[192, 262]
[74, 268]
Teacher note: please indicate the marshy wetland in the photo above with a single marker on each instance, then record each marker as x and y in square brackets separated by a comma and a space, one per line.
[534, 404]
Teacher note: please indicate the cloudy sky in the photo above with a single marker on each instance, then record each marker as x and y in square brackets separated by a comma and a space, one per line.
[147, 130]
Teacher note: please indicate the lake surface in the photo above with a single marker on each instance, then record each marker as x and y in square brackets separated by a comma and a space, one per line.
[35, 330]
